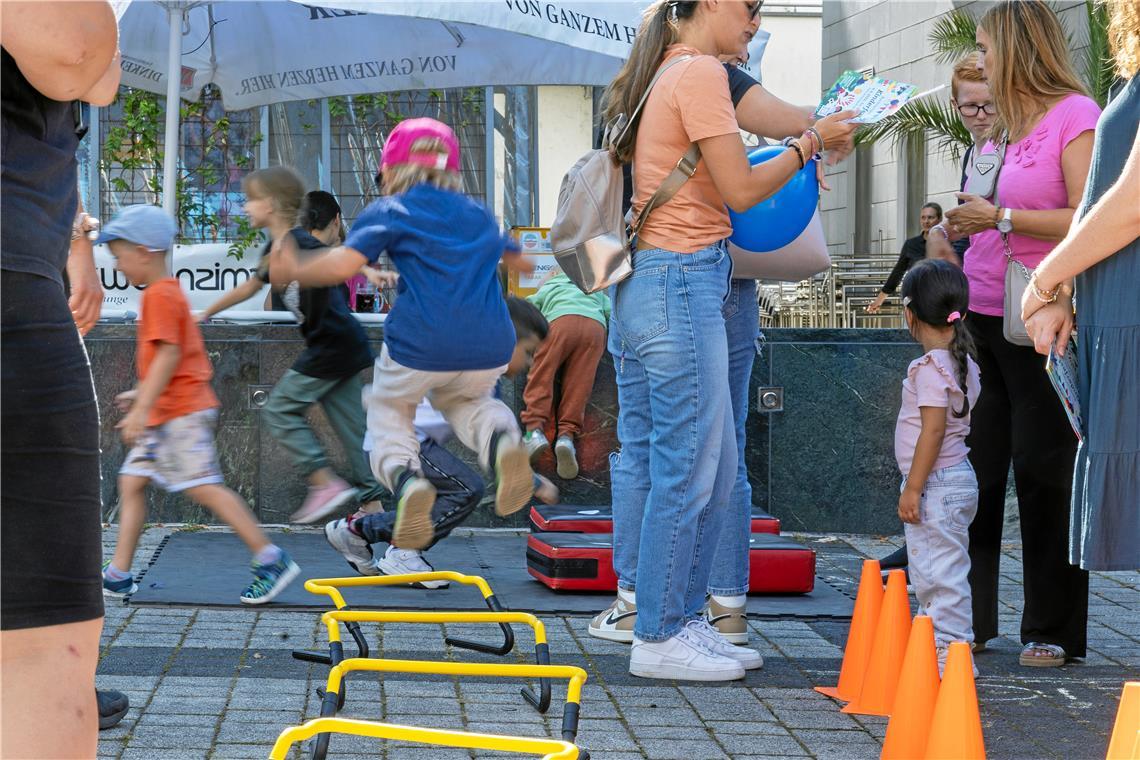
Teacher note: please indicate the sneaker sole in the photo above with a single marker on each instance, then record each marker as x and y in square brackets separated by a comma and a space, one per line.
[735, 638]
[567, 462]
[413, 517]
[516, 481]
[120, 594]
[336, 545]
[283, 580]
[300, 518]
[621, 637]
[682, 673]
[391, 571]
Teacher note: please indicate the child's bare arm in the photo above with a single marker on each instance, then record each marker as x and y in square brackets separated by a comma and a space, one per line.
[320, 269]
[162, 368]
[516, 262]
[233, 297]
[925, 455]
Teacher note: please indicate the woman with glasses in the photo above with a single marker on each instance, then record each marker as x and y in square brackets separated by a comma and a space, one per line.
[1045, 122]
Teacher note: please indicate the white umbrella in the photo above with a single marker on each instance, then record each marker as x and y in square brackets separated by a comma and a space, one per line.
[271, 51]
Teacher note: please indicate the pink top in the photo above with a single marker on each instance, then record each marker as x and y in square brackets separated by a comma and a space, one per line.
[930, 381]
[1031, 178]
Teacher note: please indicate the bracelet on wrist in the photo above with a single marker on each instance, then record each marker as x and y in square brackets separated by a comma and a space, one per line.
[794, 144]
[818, 139]
[1045, 296]
[939, 228]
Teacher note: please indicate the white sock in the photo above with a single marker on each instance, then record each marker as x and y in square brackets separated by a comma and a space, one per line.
[629, 597]
[268, 555]
[731, 601]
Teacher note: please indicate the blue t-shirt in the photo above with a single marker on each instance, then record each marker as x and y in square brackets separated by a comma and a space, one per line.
[449, 313]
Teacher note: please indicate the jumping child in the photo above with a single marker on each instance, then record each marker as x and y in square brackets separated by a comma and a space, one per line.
[459, 489]
[336, 348]
[939, 493]
[173, 412]
[448, 336]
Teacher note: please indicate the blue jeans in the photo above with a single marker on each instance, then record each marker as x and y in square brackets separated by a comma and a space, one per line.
[742, 328]
[673, 477]
[938, 551]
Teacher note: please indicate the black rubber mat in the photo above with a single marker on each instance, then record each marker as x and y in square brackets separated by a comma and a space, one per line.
[210, 569]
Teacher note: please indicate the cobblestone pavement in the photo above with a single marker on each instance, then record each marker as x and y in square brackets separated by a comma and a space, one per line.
[222, 683]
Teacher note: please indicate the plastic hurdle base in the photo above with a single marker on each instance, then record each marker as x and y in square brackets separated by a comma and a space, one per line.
[584, 562]
[578, 518]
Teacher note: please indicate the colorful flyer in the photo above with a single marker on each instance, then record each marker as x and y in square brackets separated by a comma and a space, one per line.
[1062, 372]
[875, 98]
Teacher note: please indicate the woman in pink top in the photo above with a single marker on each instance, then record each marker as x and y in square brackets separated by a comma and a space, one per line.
[1048, 123]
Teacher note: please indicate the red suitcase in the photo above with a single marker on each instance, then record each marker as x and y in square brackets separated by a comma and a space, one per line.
[578, 518]
[584, 562]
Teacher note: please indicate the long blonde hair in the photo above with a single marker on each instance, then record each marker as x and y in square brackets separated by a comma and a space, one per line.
[401, 177]
[282, 186]
[660, 23]
[1124, 35]
[1031, 63]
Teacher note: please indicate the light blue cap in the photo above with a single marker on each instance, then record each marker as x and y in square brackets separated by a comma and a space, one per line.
[148, 226]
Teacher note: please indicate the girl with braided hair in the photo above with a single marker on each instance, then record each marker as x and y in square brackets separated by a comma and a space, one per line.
[939, 493]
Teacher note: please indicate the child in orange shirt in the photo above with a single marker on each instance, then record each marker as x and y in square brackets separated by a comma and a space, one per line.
[173, 412]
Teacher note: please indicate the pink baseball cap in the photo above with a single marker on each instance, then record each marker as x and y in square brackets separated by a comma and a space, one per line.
[398, 146]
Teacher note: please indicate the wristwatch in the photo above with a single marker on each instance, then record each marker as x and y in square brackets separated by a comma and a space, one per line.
[1005, 224]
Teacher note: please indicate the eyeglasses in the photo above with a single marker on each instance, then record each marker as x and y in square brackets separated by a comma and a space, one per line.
[754, 9]
[971, 109]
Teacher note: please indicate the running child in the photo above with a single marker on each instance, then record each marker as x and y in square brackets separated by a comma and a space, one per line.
[577, 341]
[939, 493]
[459, 489]
[448, 336]
[336, 348]
[172, 412]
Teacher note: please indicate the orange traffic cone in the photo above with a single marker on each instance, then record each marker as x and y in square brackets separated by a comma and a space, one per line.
[861, 634]
[1125, 742]
[914, 699]
[956, 731]
[882, 678]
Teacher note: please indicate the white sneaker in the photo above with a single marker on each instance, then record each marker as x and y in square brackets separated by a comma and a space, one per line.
[567, 457]
[403, 561]
[684, 657]
[749, 658]
[615, 623]
[536, 443]
[355, 550]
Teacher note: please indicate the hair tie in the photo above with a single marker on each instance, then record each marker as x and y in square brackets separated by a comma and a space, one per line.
[953, 317]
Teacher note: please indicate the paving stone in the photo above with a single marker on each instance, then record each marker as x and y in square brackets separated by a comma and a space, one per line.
[671, 749]
[172, 737]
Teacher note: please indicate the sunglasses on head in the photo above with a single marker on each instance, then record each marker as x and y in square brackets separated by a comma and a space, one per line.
[754, 8]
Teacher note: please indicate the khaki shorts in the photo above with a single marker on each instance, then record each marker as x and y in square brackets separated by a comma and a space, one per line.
[178, 454]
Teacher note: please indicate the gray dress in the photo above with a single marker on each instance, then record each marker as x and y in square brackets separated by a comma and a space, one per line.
[1106, 484]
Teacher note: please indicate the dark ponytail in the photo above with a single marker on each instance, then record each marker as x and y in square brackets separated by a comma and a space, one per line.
[658, 30]
[938, 294]
[319, 209]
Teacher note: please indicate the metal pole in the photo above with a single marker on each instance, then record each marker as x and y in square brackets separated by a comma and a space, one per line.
[326, 147]
[175, 14]
[489, 146]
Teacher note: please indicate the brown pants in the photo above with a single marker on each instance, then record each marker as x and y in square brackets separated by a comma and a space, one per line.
[574, 344]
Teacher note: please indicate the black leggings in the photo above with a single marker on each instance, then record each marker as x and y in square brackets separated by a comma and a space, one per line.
[459, 489]
[1020, 418]
[50, 533]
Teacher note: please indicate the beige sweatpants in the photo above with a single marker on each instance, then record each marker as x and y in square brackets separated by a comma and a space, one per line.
[465, 399]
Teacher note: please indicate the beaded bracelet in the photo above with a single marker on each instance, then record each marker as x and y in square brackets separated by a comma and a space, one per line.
[792, 142]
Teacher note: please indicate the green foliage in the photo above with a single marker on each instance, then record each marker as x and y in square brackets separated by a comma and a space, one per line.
[1099, 70]
[953, 36]
[917, 119]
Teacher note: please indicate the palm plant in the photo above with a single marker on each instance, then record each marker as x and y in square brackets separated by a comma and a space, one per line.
[952, 37]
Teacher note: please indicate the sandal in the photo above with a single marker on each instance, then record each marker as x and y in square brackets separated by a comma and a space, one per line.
[1035, 655]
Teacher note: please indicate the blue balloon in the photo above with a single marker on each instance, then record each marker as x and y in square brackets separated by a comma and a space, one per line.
[772, 224]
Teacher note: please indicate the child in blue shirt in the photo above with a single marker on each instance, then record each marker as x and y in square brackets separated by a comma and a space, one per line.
[448, 337]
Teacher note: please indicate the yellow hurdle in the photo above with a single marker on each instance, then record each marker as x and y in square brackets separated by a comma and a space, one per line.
[549, 749]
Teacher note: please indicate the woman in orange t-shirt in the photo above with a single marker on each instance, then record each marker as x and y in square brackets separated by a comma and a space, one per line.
[674, 474]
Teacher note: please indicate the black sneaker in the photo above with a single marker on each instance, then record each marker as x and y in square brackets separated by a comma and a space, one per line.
[113, 705]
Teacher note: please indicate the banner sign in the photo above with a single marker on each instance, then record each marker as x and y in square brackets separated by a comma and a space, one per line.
[535, 245]
[205, 272]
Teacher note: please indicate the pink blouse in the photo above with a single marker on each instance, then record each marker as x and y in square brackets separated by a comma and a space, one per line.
[1031, 178]
[931, 380]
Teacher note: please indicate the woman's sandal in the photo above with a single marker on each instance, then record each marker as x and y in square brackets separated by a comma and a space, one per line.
[1031, 655]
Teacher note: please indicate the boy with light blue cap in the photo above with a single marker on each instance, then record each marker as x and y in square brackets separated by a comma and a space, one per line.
[172, 412]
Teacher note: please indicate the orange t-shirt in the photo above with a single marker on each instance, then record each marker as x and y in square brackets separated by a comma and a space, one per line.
[165, 318]
[690, 102]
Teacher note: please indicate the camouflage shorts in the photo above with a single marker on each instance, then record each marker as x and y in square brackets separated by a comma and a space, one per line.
[178, 454]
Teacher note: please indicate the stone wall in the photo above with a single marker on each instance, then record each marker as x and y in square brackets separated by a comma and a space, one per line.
[824, 463]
